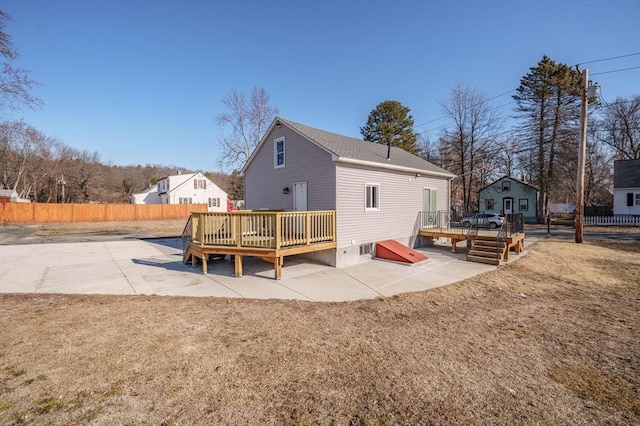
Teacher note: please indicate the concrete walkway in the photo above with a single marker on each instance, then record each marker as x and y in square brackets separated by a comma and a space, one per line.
[155, 266]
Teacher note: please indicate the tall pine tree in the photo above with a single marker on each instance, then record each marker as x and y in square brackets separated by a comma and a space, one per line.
[391, 124]
[548, 103]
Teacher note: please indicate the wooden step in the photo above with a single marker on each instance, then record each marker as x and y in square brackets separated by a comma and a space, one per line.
[490, 254]
[478, 259]
[486, 250]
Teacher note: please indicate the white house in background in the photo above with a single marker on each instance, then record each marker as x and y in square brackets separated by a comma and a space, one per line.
[12, 196]
[377, 194]
[626, 187]
[193, 188]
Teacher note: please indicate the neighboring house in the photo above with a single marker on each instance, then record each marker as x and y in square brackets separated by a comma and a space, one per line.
[626, 187]
[299, 168]
[509, 195]
[12, 196]
[193, 188]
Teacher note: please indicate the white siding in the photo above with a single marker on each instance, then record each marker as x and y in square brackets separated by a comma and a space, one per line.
[181, 186]
[620, 202]
[304, 162]
[400, 201]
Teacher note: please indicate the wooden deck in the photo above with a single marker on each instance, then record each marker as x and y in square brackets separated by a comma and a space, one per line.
[266, 235]
[514, 242]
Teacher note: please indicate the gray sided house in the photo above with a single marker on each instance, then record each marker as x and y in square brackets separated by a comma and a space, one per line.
[509, 195]
[299, 168]
[626, 187]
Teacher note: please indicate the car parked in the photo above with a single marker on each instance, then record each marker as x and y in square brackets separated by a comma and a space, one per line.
[483, 219]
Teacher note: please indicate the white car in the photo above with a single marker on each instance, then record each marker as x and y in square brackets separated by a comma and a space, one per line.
[483, 219]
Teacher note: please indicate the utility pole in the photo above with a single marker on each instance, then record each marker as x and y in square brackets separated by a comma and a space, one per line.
[582, 152]
[62, 183]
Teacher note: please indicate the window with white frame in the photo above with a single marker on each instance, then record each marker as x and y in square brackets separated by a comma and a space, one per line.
[185, 200]
[506, 186]
[278, 153]
[371, 197]
[214, 202]
[199, 184]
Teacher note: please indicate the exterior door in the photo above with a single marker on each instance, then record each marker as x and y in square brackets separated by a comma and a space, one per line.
[300, 196]
[429, 207]
[507, 206]
[299, 205]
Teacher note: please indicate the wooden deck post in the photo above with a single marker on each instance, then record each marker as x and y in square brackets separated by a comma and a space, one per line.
[278, 231]
[205, 258]
[277, 267]
[238, 266]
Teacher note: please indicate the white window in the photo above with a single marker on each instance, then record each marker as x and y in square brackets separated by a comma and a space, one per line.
[371, 197]
[185, 200]
[278, 153]
[199, 184]
[214, 202]
[637, 198]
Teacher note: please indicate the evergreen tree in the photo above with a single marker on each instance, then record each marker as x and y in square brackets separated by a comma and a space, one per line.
[391, 124]
[548, 102]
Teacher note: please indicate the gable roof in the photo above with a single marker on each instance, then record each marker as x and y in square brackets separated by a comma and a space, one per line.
[357, 151]
[511, 178]
[626, 173]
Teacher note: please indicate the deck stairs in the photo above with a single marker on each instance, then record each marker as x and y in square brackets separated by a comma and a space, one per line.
[486, 249]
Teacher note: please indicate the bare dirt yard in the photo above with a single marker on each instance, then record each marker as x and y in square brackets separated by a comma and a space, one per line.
[550, 339]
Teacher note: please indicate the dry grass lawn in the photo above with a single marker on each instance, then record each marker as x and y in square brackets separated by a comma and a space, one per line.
[550, 339]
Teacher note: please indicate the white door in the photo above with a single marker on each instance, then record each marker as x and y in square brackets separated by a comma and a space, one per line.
[429, 208]
[299, 205]
[300, 196]
[508, 206]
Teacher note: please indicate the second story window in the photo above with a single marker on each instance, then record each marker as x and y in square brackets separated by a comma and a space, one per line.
[199, 184]
[278, 153]
[506, 186]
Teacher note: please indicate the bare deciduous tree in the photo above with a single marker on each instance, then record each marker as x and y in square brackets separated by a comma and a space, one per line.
[248, 120]
[467, 140]
[620, 127]
[15, 83]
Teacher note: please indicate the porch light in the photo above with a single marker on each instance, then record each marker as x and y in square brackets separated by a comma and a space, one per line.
[285, 190]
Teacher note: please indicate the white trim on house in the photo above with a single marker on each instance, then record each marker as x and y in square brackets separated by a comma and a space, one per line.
[374, 197]
[276, 153]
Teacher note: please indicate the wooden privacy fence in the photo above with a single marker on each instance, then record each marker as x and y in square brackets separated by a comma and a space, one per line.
[262, 229]
[612, 220]
[49, 213]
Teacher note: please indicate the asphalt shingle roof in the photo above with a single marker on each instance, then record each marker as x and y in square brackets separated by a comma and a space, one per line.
[626, 174]
[357, 149]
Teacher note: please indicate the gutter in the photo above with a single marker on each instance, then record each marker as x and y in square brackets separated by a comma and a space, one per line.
[391, 167]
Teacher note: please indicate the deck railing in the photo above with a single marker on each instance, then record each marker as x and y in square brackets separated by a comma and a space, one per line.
[263, 229]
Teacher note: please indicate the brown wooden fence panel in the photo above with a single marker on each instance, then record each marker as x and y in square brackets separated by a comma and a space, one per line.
[49, 213]
[120, 212]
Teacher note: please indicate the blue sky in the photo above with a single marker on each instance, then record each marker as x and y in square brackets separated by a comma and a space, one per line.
[141, 81]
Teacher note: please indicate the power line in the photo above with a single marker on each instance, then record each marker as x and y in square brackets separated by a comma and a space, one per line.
[440, 118]
[612, 71]
[609, 59]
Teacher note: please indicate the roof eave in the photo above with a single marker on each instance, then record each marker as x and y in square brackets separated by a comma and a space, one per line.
[391, 167]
